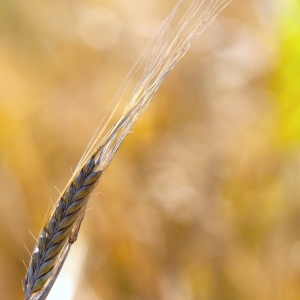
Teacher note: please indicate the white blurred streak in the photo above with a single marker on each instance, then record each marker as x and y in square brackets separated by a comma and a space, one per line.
[67, 281]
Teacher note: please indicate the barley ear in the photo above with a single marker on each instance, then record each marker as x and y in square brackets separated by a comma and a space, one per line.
[61, 228]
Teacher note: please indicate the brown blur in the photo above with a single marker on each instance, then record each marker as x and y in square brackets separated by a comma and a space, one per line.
[202, 200]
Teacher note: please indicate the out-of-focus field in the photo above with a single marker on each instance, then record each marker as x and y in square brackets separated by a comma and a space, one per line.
[202, 201]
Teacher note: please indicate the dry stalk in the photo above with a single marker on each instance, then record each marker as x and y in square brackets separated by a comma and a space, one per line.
[61, 228]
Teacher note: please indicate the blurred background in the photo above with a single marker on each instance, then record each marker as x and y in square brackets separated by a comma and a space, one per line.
[203, 200]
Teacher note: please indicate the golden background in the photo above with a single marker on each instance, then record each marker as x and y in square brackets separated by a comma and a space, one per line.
[202, 201]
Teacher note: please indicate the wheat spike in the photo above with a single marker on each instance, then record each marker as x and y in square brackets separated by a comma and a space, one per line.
[61, 228]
